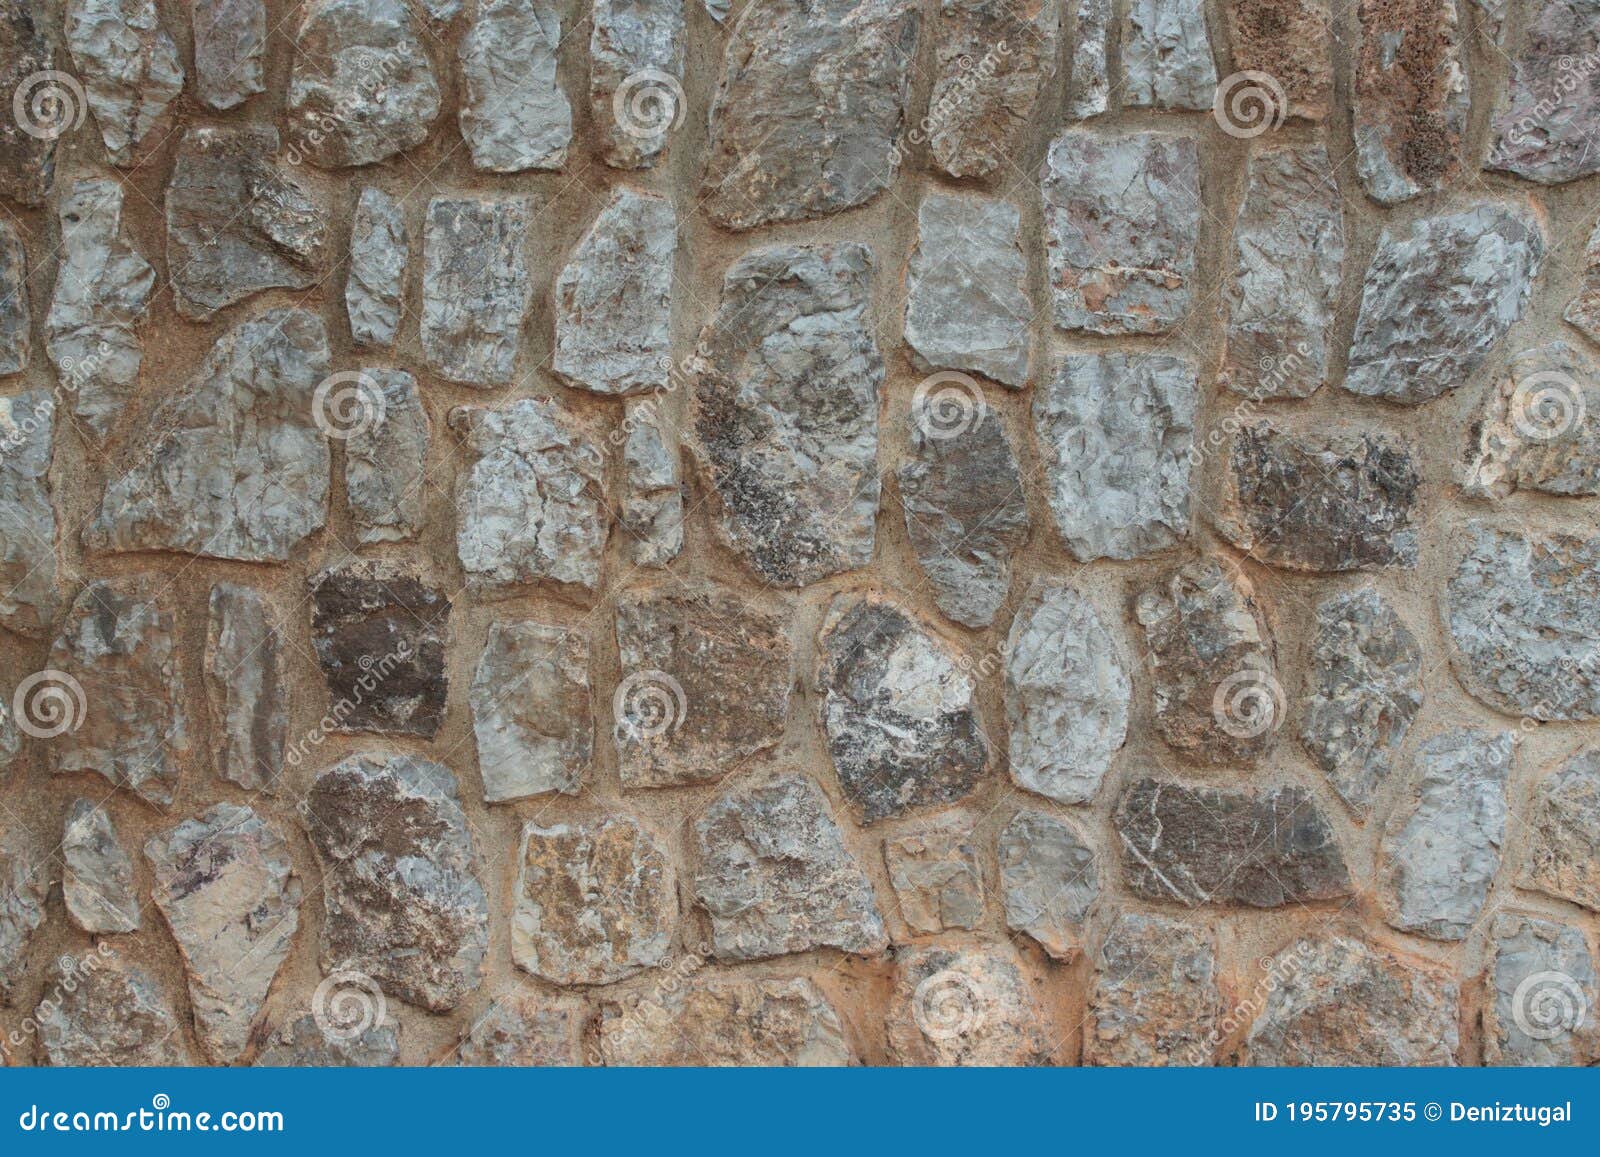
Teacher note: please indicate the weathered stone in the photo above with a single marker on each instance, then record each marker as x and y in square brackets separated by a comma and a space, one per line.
[1438, 297]
[514, 115]
[1583, 311]
[1410, 98]
[29, 597]
[1338, 1002]
[1543, 129]
[385, 456]
[1492, 24]
[652, 501]
[1211, 657]
[404, 905]
[1540, 427]
[475, 287]
[807, 117]
[10, 738]
[1091, 74]
[967, 302]
[968, 1005]
[520, 1030]
[118, 646]
[130, 69]
[1067, 695]
[965, 511]
[1122, 218]
[380, 634]
[775, 877]
[1288, 253]
[1541, 993]
[530, 711]
[229, 39]
[900, 715]
[985, 99]
[1563, 833]
[636, 51]
[380, 249]
[97, 876]
[246, 692]
[225, 885]
[43, 109]
[613, 299]
[705, 685]
[1166, 56]
[240, 468]
[531, 506]
[1154, 1000]
[1200, 845]
[1291, 44]
[766, 1023]
[1364, 690]
[100, 297]
[936, 879]
[1048, 875]
[786, 408]
[105, 1013]
[24, 887]
[362, 88]
[595, 903]
[304, 1044]
[16, 317]
[1524, 614]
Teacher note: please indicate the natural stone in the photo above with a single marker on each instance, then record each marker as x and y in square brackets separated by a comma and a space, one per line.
[652, 501]
[385, 456]
[246, 691]
[1543, 127]
[24, 887]
[1291, 44]
[380, 249]
[1539, 429]
[1563, 833]
[521, 1030]
[1583, 311]
[1154, 1000]
[1166, 56]
[29, 597]
[28, 141]
[130, 69]
[97, 876]
[1049, 879]
[514, 115]
[966, 1005]
[986, 101]
[766, 1023]
[1091, 74]
[111, 1014]
[530, 711]
[230, 37]
[304, 1044]
[475, 287]
[1541, 992]
[936, 878]
[1410, 97]
[16, 316]
[636, 52]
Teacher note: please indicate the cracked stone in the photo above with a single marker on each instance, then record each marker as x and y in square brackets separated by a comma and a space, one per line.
[246, 691]
[1543, 128]
[29, 596]
[523, 1031]
[303, 1044]
[1290, 43]
[97, 875]
[1539, 429]
[937, 881]
[106, 1013]
[475, 287]
[514, 116]
[1154, 999]
[1410, 98]
[380, 249]
[385, 458]
[766, 1023]
[530, 711]
[229, 39]
[1091, 75]
[24, 887]
[16, 316]
[1541, 992]
[985, 99]
[965, 1005]
[28, 158]
[130, 69]
[636, 53]
[1166, 56]
[1049, 880]
[652, 503]
[1563, 833]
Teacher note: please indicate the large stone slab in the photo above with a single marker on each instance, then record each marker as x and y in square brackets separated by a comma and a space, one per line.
[1543, 128]
[246, 692]
[1541, 992]
[530, 711]
[97, 875]
[636, 53]
[937, 881]
[29, 595]
[1539, 428]
[1166, 56]
[965, 1005]
[49, 109]
[230, 38]
[380, 250]
[1049, 881]
[104, 1012]
[514, 116]
[1410, 97]
[765, 1023]
[1563, 833]
[130, 70]
[1154, 1000]
[475, 287]
[994, 60]
[385, 431]
[24, 887]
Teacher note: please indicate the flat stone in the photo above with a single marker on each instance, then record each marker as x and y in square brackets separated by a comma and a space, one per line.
[1202, 845]
[1410, 97]
[808, 113]
[636, 53]
[1541, 994]
[993, 61]
[1067, 695]
[29, 595]
[765, 1023]
[523, 1031]
[400, 887]
[900, 714]
[362, 88]
[1583, 311]
[111, 1014]
[1091, 74]
[1563, 833]
[380, 250]
[246, 690]
[530, 711]
[1154, 999]
[16, 316]
[1337, 1001]
[937, 881]
[531, 506]
[705, 685]
[652, 499]
[966, 515]
[613, 299]
[1166, 56]
[1543, 128]
[97, 876]
[240, 468]
[118, 645]
[514, 116]
[28, 142]
[130, 71]
[385, 456]
[24, 887]
[774, 875]
[226, 887]
[967, 304]
[1524, 613]
[475, 287]
[964, 1005]
[380, 634]
[1288, 256]
[230, 37]
[304, 1044]
[1291, 44]
[595, 903]
[1363, 692]
[786, 408]
[1438, 297]
[1539, 428]
[1116, 435]
[96, 309]
[1049, 880]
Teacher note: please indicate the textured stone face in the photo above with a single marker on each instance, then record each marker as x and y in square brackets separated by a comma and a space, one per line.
[530, 711]
[380, 249]
[229, 39]
[635, 78]
[969, 1005]
[514, 115]
[1049, 879]
[786, 409]
[595, 903]
[901, 722]
[130, 71]
[16, 317]
[1555, 67]
[774, 876]
[1541, 992]
[1191, 845]
[807, 117]
[1539, 429]
[112, 1014]
[28, 142]
[1154, 1000]
[1091, 75]
[1410, 97]
[246, 694]
[1438, 297]
[97, 876]
[304, 1044]
[765, 1023]
[1563, 838]
[1338, 1002]
[385, 456]
[1290, 43]
[24, 886]
[652, 501]
[475, 287]
[402, 898]
[523, 1031]
[1166, 56]
[1583, 311]
[29, 595]
[936, 879]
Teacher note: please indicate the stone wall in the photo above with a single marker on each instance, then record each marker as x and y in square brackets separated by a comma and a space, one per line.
[829, 532]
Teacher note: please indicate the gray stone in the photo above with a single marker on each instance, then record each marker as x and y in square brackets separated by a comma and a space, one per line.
[964, 1005]
[807, 117]
[1541, 993]
[1539, 428]
[1438, 297]
[613, 299]
[1583, 311]
[1067, 695]
[652, 499]
[130, 69]
[16, 317]
[530, 711]
[900, 714]
[105, 1013]
[636, 52]
[49, 109]
[239, 469]
[521, 1030]
[1049, 880]
[230, 37]
[10, 738]
[1543, 128]
[1116, 435]
[304, 1044]
[1291, 44]
[380, 249]
[967, 302]
[514, 115]
[475, 287]
[24, 887]
[1091, 74]
[96, 876]
[246, 691]
[1563, 833]
[385, 456]
[1410, 98]
[775, 877]
[786, 409]
[765, 1023]
[1202, 845]
[1492, 24]
[1166, 56]
[937, 882]
[403, 902]
[993, 61]
[1122, 218]
[224, 883]
[29, 596]
[1154, 999]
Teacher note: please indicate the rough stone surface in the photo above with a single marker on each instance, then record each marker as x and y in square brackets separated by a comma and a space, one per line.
[475, 287]
[230, 38]
[1410, 98]
[96, 875]
[937, 881]
[985, 100]
[385, 455]
[1049, 881]
[380, 250]
[246, 692]
[24, 887]
[28, 142]
[966, 1005]
[652, 501]
[636, 51]
[1539, 428]
[111, 1015]
[130, 71]
[16, 316]
[1541, 992]
[521, 1030]
[1154, 999]
[29, 595]
[1583, 311]
[530, 711]
[1166, 56]
[304, 1044]
[766, 1023]
[1091, 73]
[1563, 836]
[1555, 67]
[514, 116]
[1291, 44]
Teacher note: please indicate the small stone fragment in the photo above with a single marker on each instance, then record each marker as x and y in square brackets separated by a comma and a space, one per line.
[1583, 311]
[29, 597]
[530, 711]
[523, 1031]
[765, 1023]
[16, 318]
[1048, 875]
[1563, 833]
[97, 876]
[1543, 129]
[304, 1044]
[380, 249]
[652, 503]
[1542, 989]
[1166, 56]
[1540, 429]
[994, 60]
[775, 877]
[385, 457]
[130, 69]
[1154, 1000]
[514, 115]
[1291, 44]
[936, 879]
[636, 55]
[900, 714]
[1091, 75]
[1410, 98]
[40, 114]
[106, 1013]
[24, 887]
[475, 287]
[245, 688]
[966, 1005]
[229, 39]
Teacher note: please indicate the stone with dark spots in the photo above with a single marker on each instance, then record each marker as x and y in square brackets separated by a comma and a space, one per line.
[1290, 43]
[230, 37]
[28, 142]
[103, 1012]
[1544, 126]
[1411, 97]
[16, 316]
